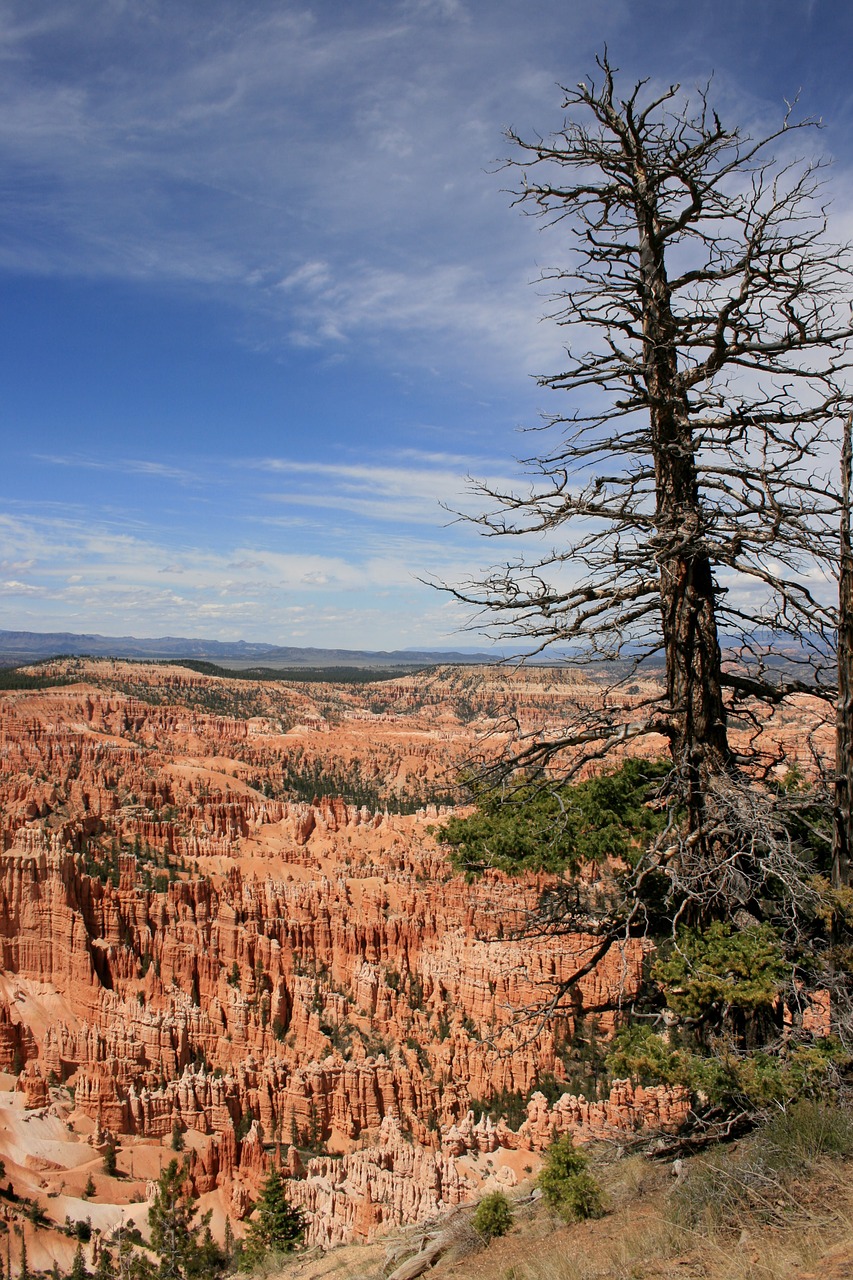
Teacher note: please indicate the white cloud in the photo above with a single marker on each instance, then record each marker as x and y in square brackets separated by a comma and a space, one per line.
[90, 576]
[124, 466]
[402, 494]
[285, 157]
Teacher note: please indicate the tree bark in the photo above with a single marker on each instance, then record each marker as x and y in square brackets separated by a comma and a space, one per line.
[842, 842]
[694, 691]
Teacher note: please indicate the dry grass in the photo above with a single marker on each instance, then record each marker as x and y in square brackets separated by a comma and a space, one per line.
[812, 1236]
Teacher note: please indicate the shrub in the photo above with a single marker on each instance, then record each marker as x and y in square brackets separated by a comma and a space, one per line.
[567, 1185]
[493, 1216]
[725, 1188]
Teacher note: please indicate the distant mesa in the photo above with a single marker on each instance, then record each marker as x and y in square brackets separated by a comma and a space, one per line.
[33, 646]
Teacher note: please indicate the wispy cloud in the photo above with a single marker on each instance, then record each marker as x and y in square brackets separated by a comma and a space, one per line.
[124, 466]
[454, 303]
[403, 495]
[88, 575]
[286, 159]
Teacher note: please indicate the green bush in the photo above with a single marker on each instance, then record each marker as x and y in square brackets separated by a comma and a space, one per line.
[493, 1216]
[639, 1053]
[725, 1075]
[566, 1184]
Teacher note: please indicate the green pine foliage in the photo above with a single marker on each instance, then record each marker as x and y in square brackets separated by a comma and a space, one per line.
[559, 827]
[493, 1216]
[106, 1268]
[186, 1248]
[277, 1226]
[566, 1183]
[726, 1076]
[22, 678]
[639, 1053]
[705, 974]
[79, 1270]
[723, 990]
[715, 992]
[134, 1264]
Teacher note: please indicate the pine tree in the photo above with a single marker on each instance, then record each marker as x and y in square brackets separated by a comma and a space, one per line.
[79, 1270]
[133, 1265]
[24, 1272]
[105, 1269]
[278, 1226]
[186, 1247]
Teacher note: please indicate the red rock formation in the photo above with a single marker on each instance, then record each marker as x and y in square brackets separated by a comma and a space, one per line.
[33, 1085]
[17, 1043]
[271, 972]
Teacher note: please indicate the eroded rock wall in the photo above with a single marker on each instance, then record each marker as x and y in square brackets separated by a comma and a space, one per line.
[194, 946]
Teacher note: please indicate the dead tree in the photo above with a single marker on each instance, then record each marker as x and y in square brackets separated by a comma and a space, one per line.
[842, 827]
[686, 497]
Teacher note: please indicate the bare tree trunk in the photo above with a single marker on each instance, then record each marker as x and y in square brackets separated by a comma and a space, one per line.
[842, 842]
[699, 743]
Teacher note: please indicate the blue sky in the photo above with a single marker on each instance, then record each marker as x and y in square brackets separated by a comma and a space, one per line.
[266, 303]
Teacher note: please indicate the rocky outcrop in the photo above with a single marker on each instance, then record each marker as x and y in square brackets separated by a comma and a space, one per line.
[33, 1085]
[392, 1183]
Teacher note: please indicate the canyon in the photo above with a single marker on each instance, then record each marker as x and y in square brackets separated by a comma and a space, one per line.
[228, 927]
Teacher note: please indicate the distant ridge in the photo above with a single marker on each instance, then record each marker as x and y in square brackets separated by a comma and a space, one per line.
[32, 646]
